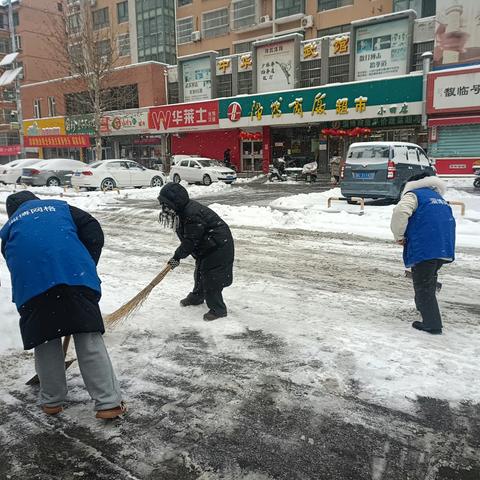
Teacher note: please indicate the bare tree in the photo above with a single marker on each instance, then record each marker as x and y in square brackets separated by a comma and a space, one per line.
[87, 45]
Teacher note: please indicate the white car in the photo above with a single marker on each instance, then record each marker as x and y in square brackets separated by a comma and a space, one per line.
[109, 174]
[11, 172]
[174, 159]
[201, 170]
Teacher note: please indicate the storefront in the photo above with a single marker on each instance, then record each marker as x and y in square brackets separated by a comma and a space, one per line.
[453, 105]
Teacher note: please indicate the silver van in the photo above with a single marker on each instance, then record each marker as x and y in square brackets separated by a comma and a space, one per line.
[381, 169]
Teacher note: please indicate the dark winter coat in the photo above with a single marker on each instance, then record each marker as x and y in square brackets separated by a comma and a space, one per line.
[62, 309]
[203, 234]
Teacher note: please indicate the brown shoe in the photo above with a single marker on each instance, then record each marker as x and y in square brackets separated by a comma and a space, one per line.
[210, 316]
[52, 410]
[112, 412]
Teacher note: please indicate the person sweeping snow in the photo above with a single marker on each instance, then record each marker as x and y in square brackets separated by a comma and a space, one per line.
[52, 250]
[424, 224]
[205, 236]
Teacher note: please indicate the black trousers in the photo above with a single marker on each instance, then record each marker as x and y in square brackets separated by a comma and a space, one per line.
[424, 276]
[213, 297]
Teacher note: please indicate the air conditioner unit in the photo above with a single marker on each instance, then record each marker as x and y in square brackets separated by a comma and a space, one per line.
[196, 36]
[307, 21]
[264, 19]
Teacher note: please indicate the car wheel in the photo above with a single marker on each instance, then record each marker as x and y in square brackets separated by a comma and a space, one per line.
[53, 182]
[91, 189]
[108, 184]
[176, 178]
[207, 180]
[476, 183]
[157, 182]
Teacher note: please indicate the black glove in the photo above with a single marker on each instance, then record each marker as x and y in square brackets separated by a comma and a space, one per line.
[174, 263]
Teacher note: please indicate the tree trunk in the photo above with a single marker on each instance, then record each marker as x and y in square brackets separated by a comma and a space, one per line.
[98, 122]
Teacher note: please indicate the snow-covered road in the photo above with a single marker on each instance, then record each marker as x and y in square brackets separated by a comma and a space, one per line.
[315, 374]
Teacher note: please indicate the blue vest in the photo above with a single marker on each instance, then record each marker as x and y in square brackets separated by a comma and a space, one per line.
[430, 232]
[42, 250]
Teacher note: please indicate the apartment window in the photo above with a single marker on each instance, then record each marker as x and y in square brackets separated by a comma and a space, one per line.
[424, 8]
[37, 108]
[285, 8]
[323, 32]
[182, 3]
[310, 73]
[52, 107]
[21, 75]
[122, 12]
[4, 45]
[100, 18]
[215, 24]
[245, 83]
[243, 47]
[3, 23]
[16, 20]
[123, 45]
[418, 50]
[223, 52]
[103, 48]
[331, 4]
[184, 30]
[173, 92]
[244, 13]
[224, 85]
[18, 42]
[339, 69]
[74, 23]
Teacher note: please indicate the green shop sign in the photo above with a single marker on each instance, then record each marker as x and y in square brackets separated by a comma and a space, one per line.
[77, 124]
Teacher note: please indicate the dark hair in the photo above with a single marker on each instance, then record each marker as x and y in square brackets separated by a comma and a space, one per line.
[419, 176]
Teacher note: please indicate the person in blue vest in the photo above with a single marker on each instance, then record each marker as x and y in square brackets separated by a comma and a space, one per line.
[52, 250]
[424, 224]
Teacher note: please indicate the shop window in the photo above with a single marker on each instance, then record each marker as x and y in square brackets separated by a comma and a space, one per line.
[122, 12]
[52, 107]
[224, 86]
[244, 13]
[331, 4]
[339, 69]
[323, 32]
[215, 23]
[173, 92]
[418, 50]
[245, 83]
[285, 8]
[184, 30]
[37, 108]
[310, 73]
[243, 47]
[100, 18]
[123, 42]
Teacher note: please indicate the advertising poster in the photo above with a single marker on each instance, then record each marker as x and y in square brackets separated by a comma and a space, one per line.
[275, 66]
[197, 82]
[381, 49]
[457, 34]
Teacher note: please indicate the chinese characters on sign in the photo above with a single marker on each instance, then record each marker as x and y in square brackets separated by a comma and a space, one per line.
[276, 108]
[257, 110]
[54, 141]
[297, 106]
[224, 66]
[275, 66]
[339, 46]
[124, 123]
[361, 104]
[341, 107]
[197, 83]
[459, 91]
[393, 109]
[319, 104]
[245, 63]
[310, 50]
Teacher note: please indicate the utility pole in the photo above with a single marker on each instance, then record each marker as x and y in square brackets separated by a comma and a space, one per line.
[18, 101]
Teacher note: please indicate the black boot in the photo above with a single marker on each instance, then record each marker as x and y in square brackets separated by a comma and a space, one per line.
[191, 299]
[421, 326]
[210, 316]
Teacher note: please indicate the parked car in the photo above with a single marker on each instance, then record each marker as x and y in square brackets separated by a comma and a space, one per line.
[109, 174]
[201, 170]
[51, 173]
[174, 159]
[381, 169]
[12, 172]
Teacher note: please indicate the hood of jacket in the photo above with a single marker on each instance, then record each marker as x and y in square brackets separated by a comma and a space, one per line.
[434, 183]
[174, 196]
[16, 199]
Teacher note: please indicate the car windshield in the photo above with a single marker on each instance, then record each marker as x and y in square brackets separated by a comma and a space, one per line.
[209, 163]
[369, 152]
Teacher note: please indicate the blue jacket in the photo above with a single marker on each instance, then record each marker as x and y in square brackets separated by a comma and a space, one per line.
[430, 232]
[42, 250]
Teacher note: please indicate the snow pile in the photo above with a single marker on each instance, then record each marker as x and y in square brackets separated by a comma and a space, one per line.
[250, 179]
[9, 331]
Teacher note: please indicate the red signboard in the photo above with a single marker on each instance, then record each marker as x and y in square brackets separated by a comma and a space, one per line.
[7, 150]
[456, 166]
[183, 117]
[55, 141]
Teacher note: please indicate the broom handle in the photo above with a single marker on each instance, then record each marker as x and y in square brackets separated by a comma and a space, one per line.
[66, 343]
[160, 276]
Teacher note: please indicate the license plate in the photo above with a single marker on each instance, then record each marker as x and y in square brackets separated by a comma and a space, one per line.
[364, 175]
[77, 174]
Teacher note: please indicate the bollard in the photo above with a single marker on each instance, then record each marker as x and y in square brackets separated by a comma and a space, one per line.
[460, 204]
[358, 200]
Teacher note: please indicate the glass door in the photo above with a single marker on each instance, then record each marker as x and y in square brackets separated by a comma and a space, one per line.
[252, 156]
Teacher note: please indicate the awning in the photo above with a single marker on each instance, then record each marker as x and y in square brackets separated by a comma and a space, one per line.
[9, 59]
[445, 121]
[9, 76]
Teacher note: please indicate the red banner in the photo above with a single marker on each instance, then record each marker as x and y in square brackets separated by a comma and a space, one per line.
[55, 141]
[183, 116]
[7, 150]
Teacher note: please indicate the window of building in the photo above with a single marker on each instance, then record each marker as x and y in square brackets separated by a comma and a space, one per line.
[100, 18]
[418, 50]
[16, 19]
[215, 24]
[310, 73]
[331, 4]
[75, 54]
[245, 83]
[21, 75]
[182, 3]
[243, 47]
[184, 30]
[123, 42]
[224, 85]
[4, 45]
[339, 69]
[74, 23]
[323, 32]
[285, 8]
[18, 42]
[37, 108]
[223, 52]
[3, 21]
[424, 8]
[52, 107]
[103, 48]
[173, 92]
[122, 12]
[244, 13]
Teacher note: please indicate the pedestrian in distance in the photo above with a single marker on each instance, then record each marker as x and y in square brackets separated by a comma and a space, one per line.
[335, 168]
[424, 224]
[52, 250]
[205, 236]
[227, 158]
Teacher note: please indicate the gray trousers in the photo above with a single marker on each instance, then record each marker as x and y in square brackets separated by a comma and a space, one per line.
[95, 367]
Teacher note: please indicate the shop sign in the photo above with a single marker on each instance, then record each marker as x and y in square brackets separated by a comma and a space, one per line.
[7, 150]
[245, 62]
[183, 116]
[172, 74]
[234, 112]
[456, 92]
[310, 50]
[44, 126]
[456, 37]
[80, 124]
[197, 82]
[125, 123]
[339, 46]
[381, 49]
[275, 66]
[56, 141]
[224, 66]
[147, 141]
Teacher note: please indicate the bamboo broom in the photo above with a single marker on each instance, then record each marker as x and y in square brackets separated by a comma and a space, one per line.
[136, 302]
